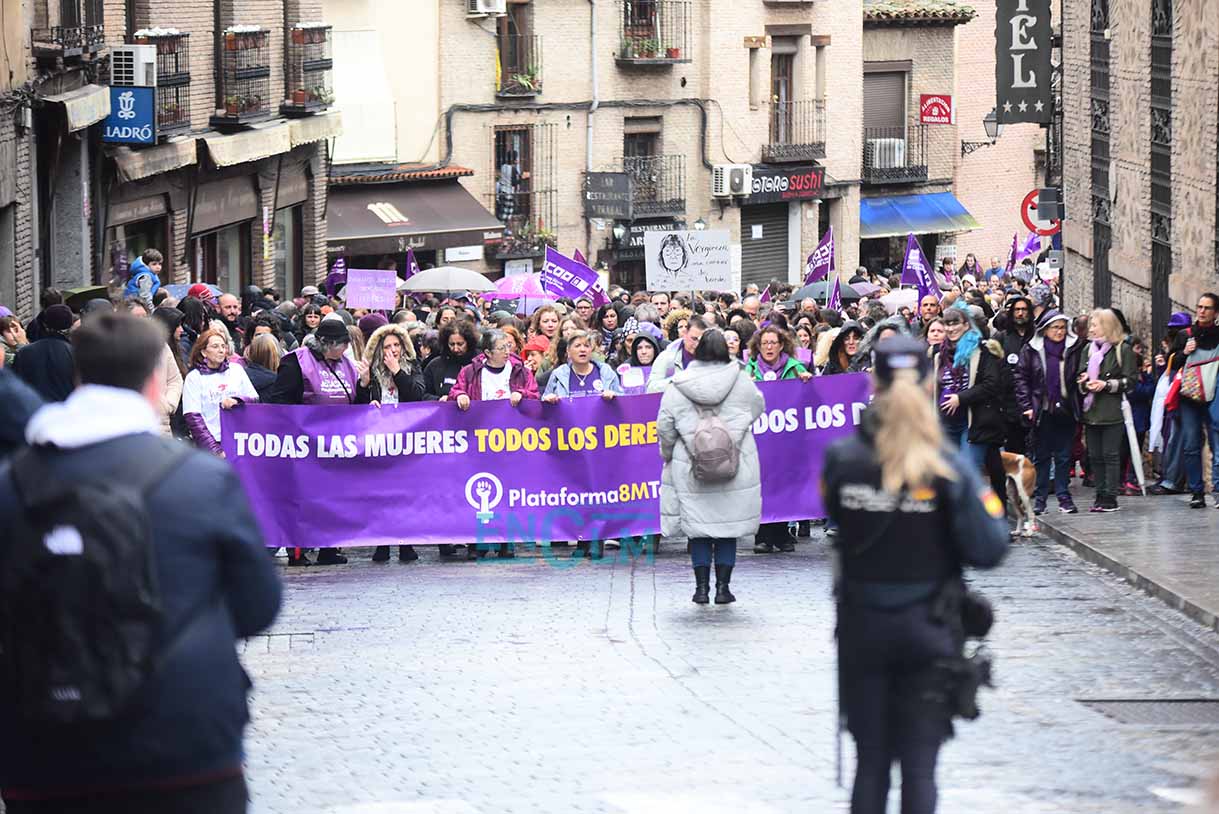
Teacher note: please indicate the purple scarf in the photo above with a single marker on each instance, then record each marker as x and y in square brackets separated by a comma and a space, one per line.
[1053, 372]
[1099, 349]
[776, 368]
[207, 370]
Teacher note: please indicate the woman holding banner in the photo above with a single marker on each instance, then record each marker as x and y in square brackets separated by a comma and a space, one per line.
[494, 375]
[712, 513]
[772, 357]
[458, 345]
[394, 378]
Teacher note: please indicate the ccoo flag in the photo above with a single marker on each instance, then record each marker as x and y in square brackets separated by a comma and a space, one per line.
[916, 272]
[820, 263]
[834, 303]
[564, 277]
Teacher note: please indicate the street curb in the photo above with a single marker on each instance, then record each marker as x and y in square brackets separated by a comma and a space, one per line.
[1174, 600]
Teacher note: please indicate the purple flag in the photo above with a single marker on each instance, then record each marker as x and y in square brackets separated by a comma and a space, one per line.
[564, 277]
[584, 469]
[579, 258]
[820, 263]
[916, 272]
[337, 278]
[412, 265]
[1011, 256]
[834, 303]
[765, 294]
[1032, 246]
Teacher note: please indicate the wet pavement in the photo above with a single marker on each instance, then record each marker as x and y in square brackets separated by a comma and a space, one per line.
[1158, 544]
[532, 686]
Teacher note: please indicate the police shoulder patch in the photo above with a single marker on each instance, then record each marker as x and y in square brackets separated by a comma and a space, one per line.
[992, 503]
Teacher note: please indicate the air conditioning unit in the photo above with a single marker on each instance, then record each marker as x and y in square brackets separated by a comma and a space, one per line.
[133, 66]
[731, 180]
[885, 153]
[481, 8]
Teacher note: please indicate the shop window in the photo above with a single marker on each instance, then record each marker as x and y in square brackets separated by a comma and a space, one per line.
[222, 258]
[286, 246]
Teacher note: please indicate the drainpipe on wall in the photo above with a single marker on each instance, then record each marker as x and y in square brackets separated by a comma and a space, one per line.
[592, 109]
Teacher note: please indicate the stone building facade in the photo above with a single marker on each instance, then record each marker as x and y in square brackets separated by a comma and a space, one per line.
[234, 189]
[1141, 89]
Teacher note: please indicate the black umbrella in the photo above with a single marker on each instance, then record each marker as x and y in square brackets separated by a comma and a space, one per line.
[820, 289]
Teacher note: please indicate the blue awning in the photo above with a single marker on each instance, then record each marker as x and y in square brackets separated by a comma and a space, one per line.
[896, 215]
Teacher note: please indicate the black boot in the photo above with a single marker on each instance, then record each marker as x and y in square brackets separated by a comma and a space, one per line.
[785, 543]
[445, 551]
[702, 584]
[762, 545]
[381, 554]
[330, 556]
[507, 551]
[723, 573]
[471, 552]
[296, 557]
[406, 553]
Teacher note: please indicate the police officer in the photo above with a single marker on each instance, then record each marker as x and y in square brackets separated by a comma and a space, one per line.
[910, 516]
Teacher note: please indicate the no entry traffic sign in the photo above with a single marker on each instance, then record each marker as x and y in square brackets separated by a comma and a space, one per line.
[1028, 213]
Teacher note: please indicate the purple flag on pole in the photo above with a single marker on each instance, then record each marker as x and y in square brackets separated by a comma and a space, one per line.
[916, 272]
[1032, 246]
[835, 301]
[412, 265]
[820, 263]
[337, 278]
[1011, 256]
[765, 294]
[564, 277]
[579, 258]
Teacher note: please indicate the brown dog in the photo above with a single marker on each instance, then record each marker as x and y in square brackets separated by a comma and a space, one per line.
[1021, 482]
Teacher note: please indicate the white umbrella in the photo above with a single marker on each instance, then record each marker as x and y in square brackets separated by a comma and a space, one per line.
[1132, 438]
[448, 278]
[903, 297]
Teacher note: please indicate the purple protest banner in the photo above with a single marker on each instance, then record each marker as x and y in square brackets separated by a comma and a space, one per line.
[820, 263]
[372, 288]
[565, 277]
[916, 272]
[583, 469]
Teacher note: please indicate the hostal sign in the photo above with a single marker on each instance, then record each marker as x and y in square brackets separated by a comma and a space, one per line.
[1022, 61]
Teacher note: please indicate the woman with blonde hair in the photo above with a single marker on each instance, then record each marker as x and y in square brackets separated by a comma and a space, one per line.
[1107, 369]
[262, 363]
[910, 519]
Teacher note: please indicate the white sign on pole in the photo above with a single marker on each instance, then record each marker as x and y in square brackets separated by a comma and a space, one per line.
[688, 261]
[521, 266]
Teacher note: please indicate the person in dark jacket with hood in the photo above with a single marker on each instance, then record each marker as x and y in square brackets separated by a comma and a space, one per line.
[843, 348]
[458, 347]
[179, 748]
[1045, 399]
[46, 365]
[18, 402]
[1017, 333]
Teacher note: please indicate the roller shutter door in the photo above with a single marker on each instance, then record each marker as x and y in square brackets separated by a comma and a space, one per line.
[765, 258]
[884, 101]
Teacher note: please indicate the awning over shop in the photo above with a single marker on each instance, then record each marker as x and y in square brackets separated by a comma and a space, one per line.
[311, 129]
[252, 145]
[388, 218]
[84, 106]
[134, 165]
[933, 212]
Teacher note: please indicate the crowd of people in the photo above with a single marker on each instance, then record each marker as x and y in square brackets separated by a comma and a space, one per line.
[1012, 372]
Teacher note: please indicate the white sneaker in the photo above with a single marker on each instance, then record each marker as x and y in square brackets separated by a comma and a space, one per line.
[612, 544]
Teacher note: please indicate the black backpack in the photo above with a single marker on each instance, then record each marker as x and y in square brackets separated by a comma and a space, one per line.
[80, 609]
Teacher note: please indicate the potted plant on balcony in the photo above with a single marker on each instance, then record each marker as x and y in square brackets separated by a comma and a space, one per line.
[252, 104]
[230, 41]
[673, 53]
[232, 105]
[300, 97]
[298, 36]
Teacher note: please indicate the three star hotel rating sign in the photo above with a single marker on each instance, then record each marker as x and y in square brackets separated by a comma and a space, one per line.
[1022, 61]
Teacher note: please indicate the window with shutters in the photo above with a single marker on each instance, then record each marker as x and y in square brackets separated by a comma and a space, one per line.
[797, 125]
[658, 180]
[894, 149]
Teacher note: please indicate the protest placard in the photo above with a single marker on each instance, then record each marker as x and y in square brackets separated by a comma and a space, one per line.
[688, 261]
[372, 288]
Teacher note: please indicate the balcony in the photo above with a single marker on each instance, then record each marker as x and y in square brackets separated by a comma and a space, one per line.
[244, 88]
[173, 78]
[67, 42]
[797, 131]
[309, 88]
[895, 155]
[654, 32]
[518, 68]
[659, 183]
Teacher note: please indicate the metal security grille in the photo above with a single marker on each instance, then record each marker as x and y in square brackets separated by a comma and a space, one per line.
[1102, 230]
[523, 166]
[765, 258]
[1188, 712]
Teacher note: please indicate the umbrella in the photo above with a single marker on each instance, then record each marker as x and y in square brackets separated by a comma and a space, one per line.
[865, 289]
[818, 291]
[75, 298]
[1136, 456]
[523, 291]
[448, 278]
[894, 301]
[178, 290]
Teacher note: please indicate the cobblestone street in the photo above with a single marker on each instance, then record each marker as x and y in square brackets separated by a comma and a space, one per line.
[534, 686]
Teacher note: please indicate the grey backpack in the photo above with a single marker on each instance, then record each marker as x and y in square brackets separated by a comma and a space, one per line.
[713, 455]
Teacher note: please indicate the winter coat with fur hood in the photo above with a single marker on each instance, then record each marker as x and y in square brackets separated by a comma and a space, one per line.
[407, 384]
[692, 507]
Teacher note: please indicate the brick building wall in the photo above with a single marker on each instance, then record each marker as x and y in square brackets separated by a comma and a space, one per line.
[720, 71]
[1195, 82]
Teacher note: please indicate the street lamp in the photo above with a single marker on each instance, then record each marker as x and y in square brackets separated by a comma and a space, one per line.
[993, 128]
[619, 232]
[700, 225]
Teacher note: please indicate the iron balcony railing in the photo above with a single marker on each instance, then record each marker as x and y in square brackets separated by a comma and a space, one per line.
[895, 155]
[173, 79]
[659, 183]
[519, 65]
[797, 131]
[310, 64]
[244, 89]
[654, 32]
[67, 41]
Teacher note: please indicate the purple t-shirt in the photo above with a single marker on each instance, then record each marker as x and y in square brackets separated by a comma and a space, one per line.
[686, 357]
[590, 385]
